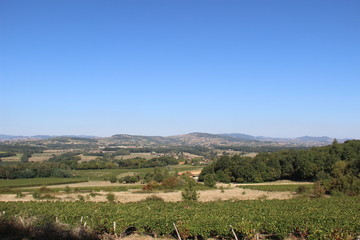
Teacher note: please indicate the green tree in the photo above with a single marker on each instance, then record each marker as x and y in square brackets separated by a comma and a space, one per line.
[113, 179]
[210, 180]
[189, 193]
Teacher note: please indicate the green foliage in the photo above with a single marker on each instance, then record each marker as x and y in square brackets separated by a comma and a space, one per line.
[110, 197]
[25, 157]
[337, 166]
[20, 195]
[113, 179]
[33, 182]
[210, 180]
[189, 193]
[279, 188]
[319, 191]
[302, 189]
[314, 219]
[81, 198]
[36, 195]
[154, 198]
[7, 154]
[32, 170]
[131, 179]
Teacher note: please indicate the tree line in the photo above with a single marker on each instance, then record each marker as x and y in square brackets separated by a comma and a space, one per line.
[336, 166]
[32, 170]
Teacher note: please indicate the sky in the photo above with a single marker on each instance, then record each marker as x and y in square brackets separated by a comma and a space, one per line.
[275, 68]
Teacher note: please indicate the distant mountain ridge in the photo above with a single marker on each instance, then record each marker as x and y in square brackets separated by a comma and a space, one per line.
[304, 139]
[4, 137]
[195, 138]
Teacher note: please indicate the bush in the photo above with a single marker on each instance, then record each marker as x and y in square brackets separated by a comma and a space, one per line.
[130, 179]
[209, 180]
[189, 193]
[44, 190]
[20, 195]
[153, 185]
[110, 197]
[154, 198]
[301, 189]
[94, 194]
[113, 179]
[81, 198]
[36, 195]
[319, 191]
[171, 183]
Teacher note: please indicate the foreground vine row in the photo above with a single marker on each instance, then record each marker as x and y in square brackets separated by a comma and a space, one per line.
[332, 218]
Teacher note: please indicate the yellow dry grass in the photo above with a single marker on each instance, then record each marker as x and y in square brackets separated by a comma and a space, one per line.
[134, 155]
[86, 158]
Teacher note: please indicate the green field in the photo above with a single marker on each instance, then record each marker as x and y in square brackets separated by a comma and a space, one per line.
[30, 182]
[99, 175]
[277, 188]
[314, 219]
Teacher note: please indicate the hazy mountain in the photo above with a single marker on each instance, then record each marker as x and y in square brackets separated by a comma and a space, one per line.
[4, 137]
[198, 138]
[305, 140]
[315, 139]
[138, 140]
[239, 135]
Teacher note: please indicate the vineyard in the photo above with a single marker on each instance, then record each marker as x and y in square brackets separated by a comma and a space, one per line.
[32, 182]
[324, 218]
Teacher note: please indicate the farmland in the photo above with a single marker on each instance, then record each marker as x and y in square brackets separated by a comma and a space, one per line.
[100, 174]
[13, 183]
[320, 219]
[142, 190]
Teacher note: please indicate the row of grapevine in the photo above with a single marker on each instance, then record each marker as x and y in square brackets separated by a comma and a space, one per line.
[332, 218]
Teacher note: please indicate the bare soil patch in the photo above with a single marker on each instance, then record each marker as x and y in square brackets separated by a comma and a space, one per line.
[204, 196]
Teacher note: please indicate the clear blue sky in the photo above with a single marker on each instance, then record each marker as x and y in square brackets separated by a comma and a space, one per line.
[272, 68]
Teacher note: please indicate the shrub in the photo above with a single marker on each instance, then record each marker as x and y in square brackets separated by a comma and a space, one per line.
[153, 185]
[81, 198]
[36, 195]
[20, 195]
[130, 179]
[94, 194]
[171, 182]
[154, 198]
[301, 189]
[319, 191]
[113, 179]
[110, 197]
[44, 190]
[189, 193]
[209, 180]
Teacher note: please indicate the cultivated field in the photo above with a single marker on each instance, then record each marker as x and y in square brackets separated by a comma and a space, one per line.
[16, 158]
[311, 219]
[133, 193]
[14, 183]
[145, 155]
[98, 175]
[86, 158]
[41, 157]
